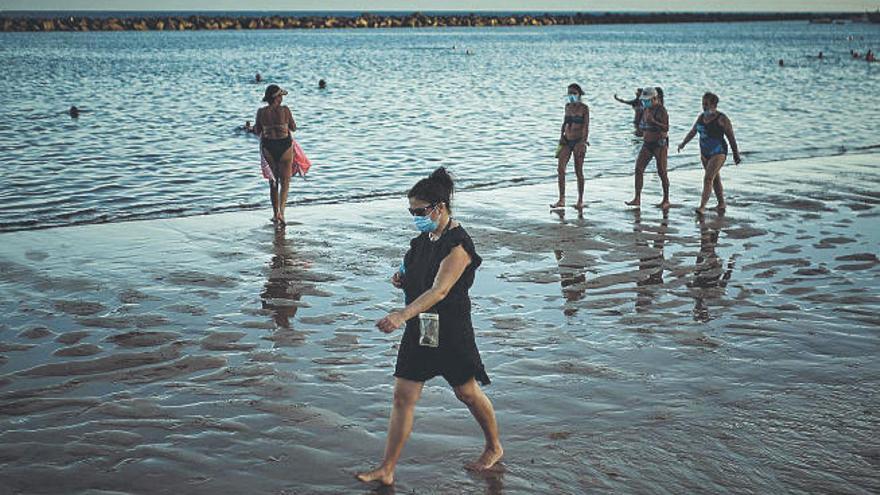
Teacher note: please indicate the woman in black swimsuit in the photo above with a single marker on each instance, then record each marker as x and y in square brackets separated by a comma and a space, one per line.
[575, 132]
[655, 126]
[436, 274]
[274, 123]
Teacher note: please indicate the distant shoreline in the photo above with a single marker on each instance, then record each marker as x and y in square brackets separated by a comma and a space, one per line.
[34, 22]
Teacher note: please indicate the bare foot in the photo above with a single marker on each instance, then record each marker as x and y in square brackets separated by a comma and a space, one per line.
[664, 205]
[558, 204]
[700, 210]
[634, 202]
[579, 205]
[721, 207]
[489, 458]
[379, 475]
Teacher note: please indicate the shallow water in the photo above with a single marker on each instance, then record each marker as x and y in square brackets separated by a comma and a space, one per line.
[629, 353]
[158, 134]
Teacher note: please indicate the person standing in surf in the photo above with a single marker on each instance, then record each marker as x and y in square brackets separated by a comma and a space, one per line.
[437, 272]
[713, 126]
[654, 124]
[573, 141]
[274, 124]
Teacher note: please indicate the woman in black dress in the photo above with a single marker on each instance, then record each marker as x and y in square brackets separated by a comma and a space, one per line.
[436, 274]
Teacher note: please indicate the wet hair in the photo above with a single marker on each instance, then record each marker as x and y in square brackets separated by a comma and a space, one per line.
[436, 188]
[711, 98]
[577, 88]
[659, 92]
[270, 91]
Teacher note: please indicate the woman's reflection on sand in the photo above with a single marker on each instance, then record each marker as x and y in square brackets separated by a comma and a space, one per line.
[650, 257]
[711, 274]
[282, 291]
[572, 271]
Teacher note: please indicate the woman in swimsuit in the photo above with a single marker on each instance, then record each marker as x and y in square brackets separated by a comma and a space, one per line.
[637, 109]
[436, 275]
[713, 126]
[655, 128]
[274, 123]
[575, 131]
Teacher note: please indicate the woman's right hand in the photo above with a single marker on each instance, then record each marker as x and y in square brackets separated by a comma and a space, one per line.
[680, 147]
[397, 280]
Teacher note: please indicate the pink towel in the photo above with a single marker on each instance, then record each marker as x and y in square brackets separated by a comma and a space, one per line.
[265, 168]
[301, 163]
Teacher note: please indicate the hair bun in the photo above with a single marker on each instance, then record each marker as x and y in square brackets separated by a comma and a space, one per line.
[442, 177]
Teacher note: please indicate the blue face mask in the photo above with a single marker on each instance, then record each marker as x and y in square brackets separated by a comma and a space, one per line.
[646, 103]
[572, 98]
[425, 224]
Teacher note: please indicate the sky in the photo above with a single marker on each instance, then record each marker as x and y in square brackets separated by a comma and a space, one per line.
[459, 5]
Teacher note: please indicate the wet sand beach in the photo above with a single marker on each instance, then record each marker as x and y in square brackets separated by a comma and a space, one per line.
[630, 351]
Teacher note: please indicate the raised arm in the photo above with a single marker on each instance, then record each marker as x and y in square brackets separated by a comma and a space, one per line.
[728, 131]
[626, 102]
[450, 271]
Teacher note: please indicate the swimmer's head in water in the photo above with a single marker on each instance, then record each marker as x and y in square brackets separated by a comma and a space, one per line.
[273, 91]
[74, 112]
[322, 84]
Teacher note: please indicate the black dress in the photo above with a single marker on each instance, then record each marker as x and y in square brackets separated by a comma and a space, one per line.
[456, 358]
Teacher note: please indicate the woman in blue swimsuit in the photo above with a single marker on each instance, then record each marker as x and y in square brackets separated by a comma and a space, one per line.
[713, 126]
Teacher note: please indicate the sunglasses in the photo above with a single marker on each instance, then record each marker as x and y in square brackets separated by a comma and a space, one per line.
[421, 211]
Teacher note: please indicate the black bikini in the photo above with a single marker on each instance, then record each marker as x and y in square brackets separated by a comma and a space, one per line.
[276, 147]
[573, 119]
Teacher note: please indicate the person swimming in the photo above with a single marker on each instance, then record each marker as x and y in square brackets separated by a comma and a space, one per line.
[322, 84]
[73, 112]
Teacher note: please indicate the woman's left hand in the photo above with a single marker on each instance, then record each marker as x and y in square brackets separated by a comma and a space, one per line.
[736, 158]
[391, 322]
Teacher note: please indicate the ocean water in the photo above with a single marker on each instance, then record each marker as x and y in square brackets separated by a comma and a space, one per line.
[158, 135]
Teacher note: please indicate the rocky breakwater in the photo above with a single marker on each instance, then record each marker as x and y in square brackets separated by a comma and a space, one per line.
[413, 20]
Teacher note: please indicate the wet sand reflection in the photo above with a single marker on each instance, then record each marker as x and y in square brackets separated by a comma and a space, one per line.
[711, 274]
[281, 293]
[651, 258]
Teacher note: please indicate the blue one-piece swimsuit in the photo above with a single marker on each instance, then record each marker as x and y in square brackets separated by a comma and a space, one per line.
[712, 140]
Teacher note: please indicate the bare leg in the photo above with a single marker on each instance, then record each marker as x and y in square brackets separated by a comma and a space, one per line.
[273, 184]
[660, 154]
[564, 155]
[406, 394]
[641, 163]
[579, 155]
[712, 167]
[285, 167]
[273, 196]
[481, 408]
[719, 189]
